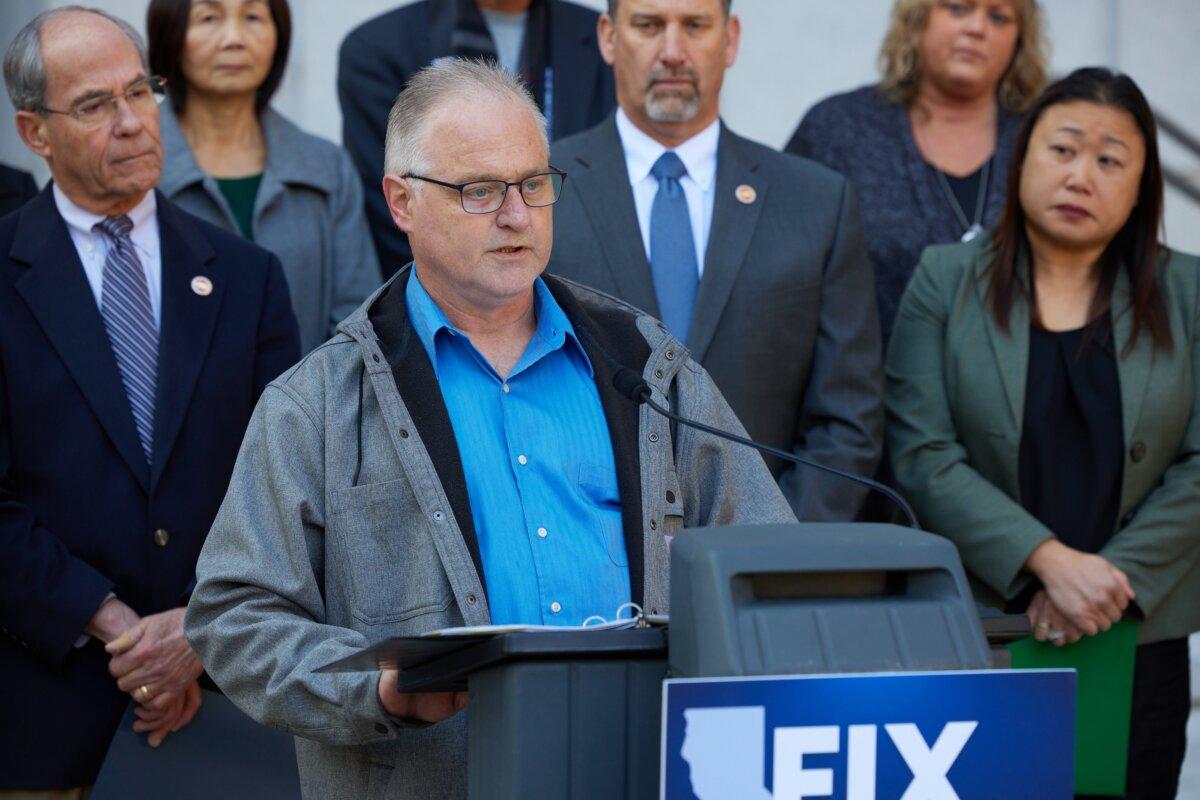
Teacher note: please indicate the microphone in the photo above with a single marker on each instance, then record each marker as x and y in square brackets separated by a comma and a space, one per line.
[630, 384]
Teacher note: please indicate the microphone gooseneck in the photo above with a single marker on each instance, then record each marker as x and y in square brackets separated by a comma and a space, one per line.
[629, 384]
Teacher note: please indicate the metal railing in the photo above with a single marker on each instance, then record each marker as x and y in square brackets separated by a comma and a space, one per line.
[1174, 178]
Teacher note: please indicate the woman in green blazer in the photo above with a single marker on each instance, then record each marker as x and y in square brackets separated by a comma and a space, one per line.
[1042, 401]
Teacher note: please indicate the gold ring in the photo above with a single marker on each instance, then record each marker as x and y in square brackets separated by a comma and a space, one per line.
[144, 692]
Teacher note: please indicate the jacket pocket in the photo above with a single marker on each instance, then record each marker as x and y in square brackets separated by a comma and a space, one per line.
[388, 558]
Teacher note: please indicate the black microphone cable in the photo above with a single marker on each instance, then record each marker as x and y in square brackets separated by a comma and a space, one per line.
[631, 385]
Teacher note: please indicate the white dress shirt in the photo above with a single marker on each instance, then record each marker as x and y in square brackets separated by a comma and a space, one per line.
[92, 245]
[698, 154]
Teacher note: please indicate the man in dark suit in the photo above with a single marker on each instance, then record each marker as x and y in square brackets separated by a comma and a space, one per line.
[754, 258]
[16, 189]
[134, 342]
[549, 44]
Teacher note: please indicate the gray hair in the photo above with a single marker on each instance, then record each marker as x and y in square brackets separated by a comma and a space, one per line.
[612, 7]
[441, 81]
[25, 69]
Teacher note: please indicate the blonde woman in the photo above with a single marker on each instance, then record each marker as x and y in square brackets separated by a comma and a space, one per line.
[928, 146]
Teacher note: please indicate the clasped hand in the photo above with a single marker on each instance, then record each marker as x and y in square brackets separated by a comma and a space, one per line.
[1084, 594]
[153, 653]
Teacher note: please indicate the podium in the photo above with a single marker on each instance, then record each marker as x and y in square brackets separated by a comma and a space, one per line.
[571, 714]
[767, 621]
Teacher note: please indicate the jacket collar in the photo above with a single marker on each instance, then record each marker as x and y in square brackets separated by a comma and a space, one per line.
[1011, 349]
[289, 162]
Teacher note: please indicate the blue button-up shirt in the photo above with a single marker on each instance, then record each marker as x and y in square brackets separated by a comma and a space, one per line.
[539, 467]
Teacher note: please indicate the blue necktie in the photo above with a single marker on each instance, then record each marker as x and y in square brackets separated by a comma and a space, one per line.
[672, 250]
[129, 322]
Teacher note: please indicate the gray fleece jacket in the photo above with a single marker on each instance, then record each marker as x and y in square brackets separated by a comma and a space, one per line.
[347, 522]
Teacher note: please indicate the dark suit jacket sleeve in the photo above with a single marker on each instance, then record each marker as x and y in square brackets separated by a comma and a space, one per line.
[47, 594]
[841, 420]
[994, 534]
[369, 78]
[278, 333]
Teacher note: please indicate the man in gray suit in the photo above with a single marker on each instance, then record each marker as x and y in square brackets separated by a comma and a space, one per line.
[755, 259]
[457, 454]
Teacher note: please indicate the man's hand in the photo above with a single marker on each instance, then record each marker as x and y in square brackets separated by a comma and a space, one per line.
[421, 706]
[155, 654]
[111, 619]
[178, 712]
[1090, 592]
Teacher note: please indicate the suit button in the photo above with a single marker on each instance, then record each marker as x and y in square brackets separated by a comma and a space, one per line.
[161, 537]
[1138, 451]
[1128, 518]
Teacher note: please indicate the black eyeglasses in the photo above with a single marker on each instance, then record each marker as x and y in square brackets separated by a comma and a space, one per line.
[485, 197]
[141, 96]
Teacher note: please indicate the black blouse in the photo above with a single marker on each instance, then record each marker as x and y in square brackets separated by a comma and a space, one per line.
[1072, 441]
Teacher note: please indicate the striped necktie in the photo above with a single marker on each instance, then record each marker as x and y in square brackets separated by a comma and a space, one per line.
[673, 262]
[129, 322]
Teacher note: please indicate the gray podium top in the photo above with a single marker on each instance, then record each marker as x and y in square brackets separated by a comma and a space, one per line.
[792, 599]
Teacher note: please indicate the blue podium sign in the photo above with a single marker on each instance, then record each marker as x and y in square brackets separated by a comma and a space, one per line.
[896, 736]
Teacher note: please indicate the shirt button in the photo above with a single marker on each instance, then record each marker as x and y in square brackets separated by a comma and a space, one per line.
[161, 537]
[556, 606]
[542, 532]
[504, 388]
[1138, 451]
[522, 460]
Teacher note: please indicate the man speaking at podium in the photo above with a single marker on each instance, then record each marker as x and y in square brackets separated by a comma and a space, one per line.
[457, 454]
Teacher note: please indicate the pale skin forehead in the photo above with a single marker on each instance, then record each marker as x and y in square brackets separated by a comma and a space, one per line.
[484, 137]
[86, 54]
[1108, 125]
[672, 7]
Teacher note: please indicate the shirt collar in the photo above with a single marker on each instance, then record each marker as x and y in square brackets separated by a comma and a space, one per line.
[554, 329]
[698, 154]
[83, 221]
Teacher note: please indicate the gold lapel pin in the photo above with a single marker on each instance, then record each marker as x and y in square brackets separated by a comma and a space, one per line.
[202, 286]
[745, 194]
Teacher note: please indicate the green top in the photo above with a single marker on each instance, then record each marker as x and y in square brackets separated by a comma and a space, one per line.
[240, 194]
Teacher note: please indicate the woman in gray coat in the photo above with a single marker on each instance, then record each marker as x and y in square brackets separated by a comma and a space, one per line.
[235, 162]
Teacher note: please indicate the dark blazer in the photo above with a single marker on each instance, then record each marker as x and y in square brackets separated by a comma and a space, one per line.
[16, 189]
[79, 505]
[378, 57]
[782, 322]
[955, 403]
[868, 139]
